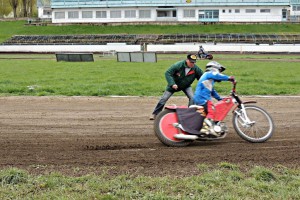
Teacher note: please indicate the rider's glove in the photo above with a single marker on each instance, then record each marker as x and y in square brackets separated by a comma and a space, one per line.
[231, 79]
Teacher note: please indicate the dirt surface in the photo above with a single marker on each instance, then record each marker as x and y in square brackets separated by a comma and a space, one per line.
[78, 135]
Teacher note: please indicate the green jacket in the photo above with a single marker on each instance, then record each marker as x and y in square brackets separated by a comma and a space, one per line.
[176, 75]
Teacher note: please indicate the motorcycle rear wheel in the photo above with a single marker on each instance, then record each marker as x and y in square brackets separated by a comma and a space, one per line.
[209, 57]
[262, 128]
[165, 131]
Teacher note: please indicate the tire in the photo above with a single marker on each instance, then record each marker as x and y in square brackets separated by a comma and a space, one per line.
[165, 131]
[260, 131]
[209, 57]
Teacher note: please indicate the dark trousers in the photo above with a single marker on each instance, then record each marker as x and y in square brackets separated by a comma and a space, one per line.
[165, 97]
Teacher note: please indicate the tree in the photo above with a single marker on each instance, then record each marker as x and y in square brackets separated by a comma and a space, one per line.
[24, 8]
[5, 8]
[27, 8]
[14, 4]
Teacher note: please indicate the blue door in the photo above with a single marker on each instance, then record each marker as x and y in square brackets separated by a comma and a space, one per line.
[284, 14]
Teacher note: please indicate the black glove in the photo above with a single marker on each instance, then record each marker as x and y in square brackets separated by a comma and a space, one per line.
[231, 79]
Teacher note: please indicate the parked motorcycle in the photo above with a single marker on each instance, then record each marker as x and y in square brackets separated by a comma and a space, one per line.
[202, 54]
[179, 126]
[205, 56]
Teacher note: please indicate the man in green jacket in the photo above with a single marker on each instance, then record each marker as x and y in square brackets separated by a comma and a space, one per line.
[180, 77]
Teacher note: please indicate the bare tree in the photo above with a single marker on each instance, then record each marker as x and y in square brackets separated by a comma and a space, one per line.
[24, 8]
[14, 4]
[29, 7]
[5, 8]
[44, 2]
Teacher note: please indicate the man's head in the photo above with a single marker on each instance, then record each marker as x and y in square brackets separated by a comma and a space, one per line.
[191, 60]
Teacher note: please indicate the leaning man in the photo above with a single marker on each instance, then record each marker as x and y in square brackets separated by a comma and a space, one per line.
[180, 77]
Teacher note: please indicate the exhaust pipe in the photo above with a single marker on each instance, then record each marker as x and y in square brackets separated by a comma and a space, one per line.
[185, 137]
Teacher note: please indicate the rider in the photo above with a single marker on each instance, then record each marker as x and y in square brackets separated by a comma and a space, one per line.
[201, 51]
[205, 91]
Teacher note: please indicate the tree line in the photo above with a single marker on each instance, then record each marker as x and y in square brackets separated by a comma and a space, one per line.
[18, 8]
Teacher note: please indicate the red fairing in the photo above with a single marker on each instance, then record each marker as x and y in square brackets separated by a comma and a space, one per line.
[222, 108]
[166, 126]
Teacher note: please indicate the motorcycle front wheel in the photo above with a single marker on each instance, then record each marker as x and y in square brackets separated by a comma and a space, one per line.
[260, 128]
[165, 131]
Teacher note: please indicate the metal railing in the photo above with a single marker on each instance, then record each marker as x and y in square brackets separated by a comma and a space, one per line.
[153, 39]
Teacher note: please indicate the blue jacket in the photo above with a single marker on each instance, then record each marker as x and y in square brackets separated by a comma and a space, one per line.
[205, 87]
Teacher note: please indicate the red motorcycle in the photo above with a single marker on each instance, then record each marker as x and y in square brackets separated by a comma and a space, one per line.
[179, 126]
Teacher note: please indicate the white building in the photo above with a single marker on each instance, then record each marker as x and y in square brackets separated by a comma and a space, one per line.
[202, 11]
[44, 9]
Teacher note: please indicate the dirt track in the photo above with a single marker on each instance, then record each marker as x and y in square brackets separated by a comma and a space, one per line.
[66, 133]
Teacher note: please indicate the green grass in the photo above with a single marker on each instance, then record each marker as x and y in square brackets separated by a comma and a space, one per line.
[10, 28]
[222, 181]
[41, 75]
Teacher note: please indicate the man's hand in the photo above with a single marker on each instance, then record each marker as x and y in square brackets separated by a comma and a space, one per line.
[232, 79]
[175, 87]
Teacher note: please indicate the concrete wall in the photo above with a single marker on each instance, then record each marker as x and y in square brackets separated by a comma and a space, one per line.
[182, 48]
[241, 48]
[69, 48]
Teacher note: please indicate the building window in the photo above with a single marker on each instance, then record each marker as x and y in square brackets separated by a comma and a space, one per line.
[59, 15]
[250, 11]
[162, 13]
[144, 14]
[223, 11]
[209, 14]
[73, 15]
[166, 13]
[296, 8]
[47, 12]
[115, 14]
[237, 11]
[101, 14]
[215, 14]
[130, 13]
[265, 10]
[87, 14]
[189, 13]
[229, 10]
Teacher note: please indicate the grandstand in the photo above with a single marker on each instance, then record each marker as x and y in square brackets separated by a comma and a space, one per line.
[137, 39]
[144, 11]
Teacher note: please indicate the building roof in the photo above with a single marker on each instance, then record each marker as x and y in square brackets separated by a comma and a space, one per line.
[166, 3]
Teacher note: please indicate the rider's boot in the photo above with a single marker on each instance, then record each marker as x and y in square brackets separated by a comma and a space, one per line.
[208, 127]
[205, 129]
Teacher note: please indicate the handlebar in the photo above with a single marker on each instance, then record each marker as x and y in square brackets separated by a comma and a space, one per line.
[233, 86]
[233, 94]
